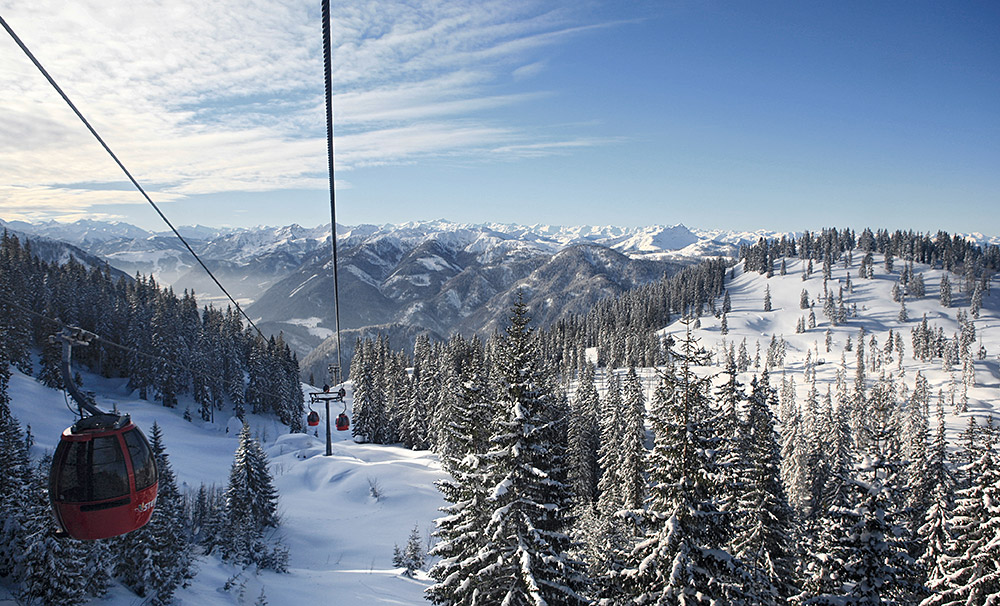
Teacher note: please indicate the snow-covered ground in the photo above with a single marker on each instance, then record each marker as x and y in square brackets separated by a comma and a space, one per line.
[340, 537]
[877, 313]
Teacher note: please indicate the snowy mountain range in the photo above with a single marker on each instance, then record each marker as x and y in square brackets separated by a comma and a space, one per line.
[436, 276]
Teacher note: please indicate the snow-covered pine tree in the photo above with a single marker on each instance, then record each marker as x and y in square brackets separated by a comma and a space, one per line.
[50, 363]
[869, 555]
[526, 546]
[742, 357]
[411, 557]
[607, 535]
[681, 559]
[251, 508]
[971, 562]
[290, 399]
[935, 533]
[363, 414]
[796, 450]
[100, 558]
[916, 286]
[612, 427]
[459, 530]
[585, 439]
[976, 302]
[450, 392]
[730, 399]
[234, 345]
[15, 478]
[762, 537]
[632, 449]
[914, 444]
[413, 428]
[207, 517]
[944, 292]
[168, 379]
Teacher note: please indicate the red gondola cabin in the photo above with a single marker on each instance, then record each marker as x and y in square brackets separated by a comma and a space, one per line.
[313, 418]
[103, 480]
[343, 423]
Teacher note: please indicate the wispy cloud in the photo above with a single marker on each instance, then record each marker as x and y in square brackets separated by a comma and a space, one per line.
[204, 97]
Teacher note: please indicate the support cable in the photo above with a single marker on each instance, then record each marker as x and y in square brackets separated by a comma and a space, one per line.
[328, 78]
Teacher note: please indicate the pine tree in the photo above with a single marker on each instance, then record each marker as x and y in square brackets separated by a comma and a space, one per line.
[15, 479]
[366, 413]
[458, 531]
[526, 545]
[585, 439]
[682, 558]
[935, 533]
[971, 562]
[945, 291]
[916, 286]
[411, 557]
[632, 450]
[50, 365]
[762, 538]
[976, 303]
[250, 508]
[100, 559]
[207, 517]
[869, 561]
[610, 499]
[607, 535]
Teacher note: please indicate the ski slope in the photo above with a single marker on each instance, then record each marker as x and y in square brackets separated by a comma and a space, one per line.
[877, 313]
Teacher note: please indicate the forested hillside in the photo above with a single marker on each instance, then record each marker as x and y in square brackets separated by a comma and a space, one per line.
[164, 344]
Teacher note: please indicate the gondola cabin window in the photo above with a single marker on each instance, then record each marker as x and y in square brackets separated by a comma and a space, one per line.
[93, 470]
[142, 459]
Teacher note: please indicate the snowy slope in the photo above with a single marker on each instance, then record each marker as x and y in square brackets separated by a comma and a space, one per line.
[341, 539]
[877, 313]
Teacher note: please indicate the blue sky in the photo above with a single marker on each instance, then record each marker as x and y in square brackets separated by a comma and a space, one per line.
[731, 115]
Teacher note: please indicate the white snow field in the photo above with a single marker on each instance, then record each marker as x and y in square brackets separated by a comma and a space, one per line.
[877, 313]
